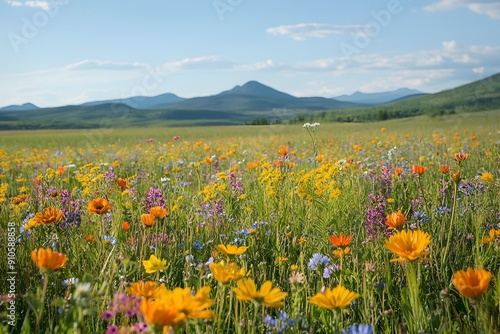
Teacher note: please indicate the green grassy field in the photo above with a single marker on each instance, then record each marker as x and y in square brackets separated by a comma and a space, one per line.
[331, 228]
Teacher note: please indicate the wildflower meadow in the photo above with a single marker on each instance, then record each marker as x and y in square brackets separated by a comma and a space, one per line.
[390, 227]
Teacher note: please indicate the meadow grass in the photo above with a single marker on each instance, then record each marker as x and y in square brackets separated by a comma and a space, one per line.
[308, 209]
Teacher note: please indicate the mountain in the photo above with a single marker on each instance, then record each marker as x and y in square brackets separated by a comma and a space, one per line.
[251, 103]
[141, 102]
[480, 95]
[254, 96]
[15, 107]
[379, 98]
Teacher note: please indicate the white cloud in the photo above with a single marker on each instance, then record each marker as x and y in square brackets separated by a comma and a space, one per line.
[91, 64]
[267, 65]
[303, 31]
[44, 5]
[197, 63]
[485, 7]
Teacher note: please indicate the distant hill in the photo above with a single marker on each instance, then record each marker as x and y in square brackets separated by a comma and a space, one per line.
[15, 107]
[254, 96]
[476, 96]
[253, 103]
[141, 102]
[379, 98]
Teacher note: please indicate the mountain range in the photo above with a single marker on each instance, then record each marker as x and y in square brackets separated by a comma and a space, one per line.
[378, 98]
[253, 103]
[252, 96]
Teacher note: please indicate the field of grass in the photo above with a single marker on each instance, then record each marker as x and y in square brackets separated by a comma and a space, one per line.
[331, 228]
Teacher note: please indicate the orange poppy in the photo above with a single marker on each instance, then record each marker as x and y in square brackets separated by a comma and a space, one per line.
[283, 150]
[395, 219]
[158, 212]
[418, 169]
[472, 283]
[148, 219]
[444, 169]
[99, 205]
[47, 259]
[125, 226]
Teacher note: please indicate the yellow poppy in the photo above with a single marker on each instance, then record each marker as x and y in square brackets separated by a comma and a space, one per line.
[341, 252]
[226, 272]
[267, 296]
[191, 306]
[408, 245]
[154, 264]
[146, 290]
[472, 283]
[336, 298]
[47, 259]
[231, 250]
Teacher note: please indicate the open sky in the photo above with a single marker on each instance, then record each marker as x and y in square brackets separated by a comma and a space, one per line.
[68, 52]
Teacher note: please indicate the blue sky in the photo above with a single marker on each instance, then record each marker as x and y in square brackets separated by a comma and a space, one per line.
[68, 52]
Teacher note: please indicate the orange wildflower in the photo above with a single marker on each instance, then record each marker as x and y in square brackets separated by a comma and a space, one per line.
[444, 169]
[493, 235]
[461, 157]
[148, 219]
[398, 171]
[99, 205]
[471, 283]
[283, 150]
[47, 259]
[419, 170]
[395, 219]
[50, 215]
[158, 212]
[342, 240]
[125, 226]
[122, 183]
[253, 164]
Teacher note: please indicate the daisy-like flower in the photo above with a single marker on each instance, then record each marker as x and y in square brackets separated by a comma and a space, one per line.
[336, 298]
[147, 290]
[472, 283]
[99, 205]
[154, 264]
[231, 250]
[50, 215]
[395, 219]
[486, 176]
[226, 272]
[268, 296]
[342, 240]
[46, 259]
[408, 245]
